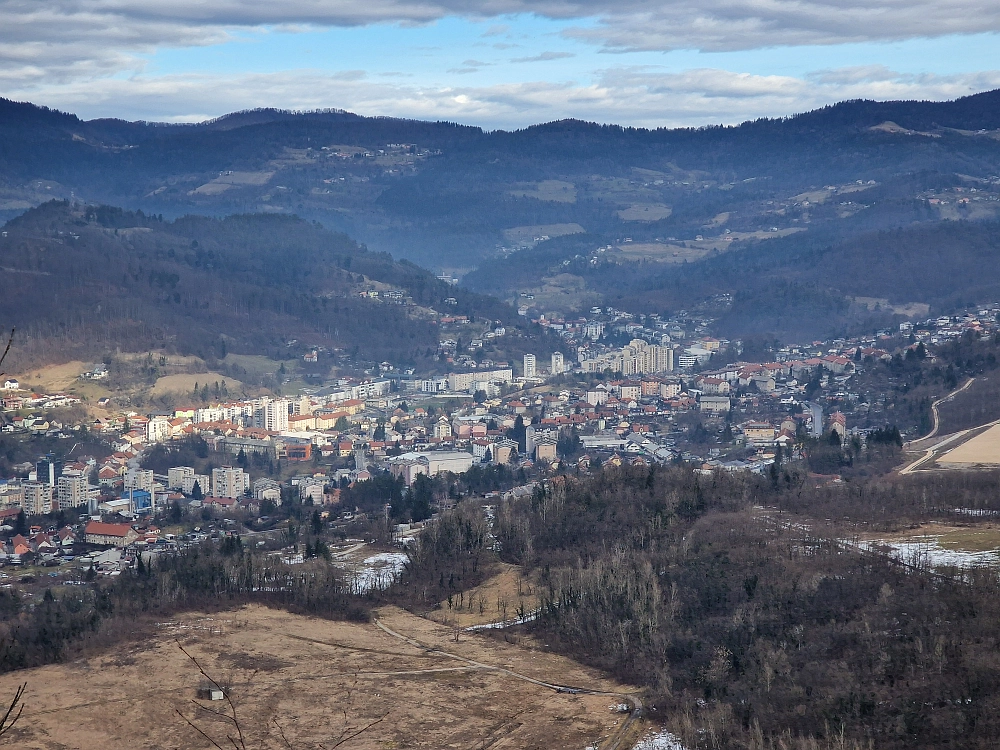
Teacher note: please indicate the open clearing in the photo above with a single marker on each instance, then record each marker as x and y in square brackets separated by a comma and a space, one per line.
[501, 598]
[942, 545]
[183, 383]
[645, 212]
[526, 235]
[304, 673]
[558, 191]
[981, 450]
[54, 377]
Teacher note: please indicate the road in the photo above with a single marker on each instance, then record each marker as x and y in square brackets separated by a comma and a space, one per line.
[611, 743]
[931, 452]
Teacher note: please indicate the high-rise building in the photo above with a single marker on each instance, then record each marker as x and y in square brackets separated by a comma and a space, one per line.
[37, 498]
[271, 415]
[229, 482]
[529, 365]
[139, 479]
[71, 489]
[558, 364]
[48, 470]
[176, 476]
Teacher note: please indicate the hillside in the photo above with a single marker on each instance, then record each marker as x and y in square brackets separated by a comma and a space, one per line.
[81, 281]
[448, 196]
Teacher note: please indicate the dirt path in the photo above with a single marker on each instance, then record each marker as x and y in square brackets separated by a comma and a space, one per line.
[612, 743]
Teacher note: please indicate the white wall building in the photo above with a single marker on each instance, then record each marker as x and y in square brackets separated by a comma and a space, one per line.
[229, 482]
[529, 365]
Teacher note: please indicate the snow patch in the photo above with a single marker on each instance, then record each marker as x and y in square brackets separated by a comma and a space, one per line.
[377, 572]
[927, 551]
[660, 740]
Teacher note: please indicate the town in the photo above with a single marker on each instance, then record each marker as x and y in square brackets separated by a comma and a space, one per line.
[670, 394]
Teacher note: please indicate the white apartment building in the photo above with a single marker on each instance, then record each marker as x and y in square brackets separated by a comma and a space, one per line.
[203, 481]
[529, 365]
[229, 482]
[177, 475]
[37, 498]
[271, 415]
[139, 479]
[71, 489]
[637, 358]
[464, 381]
[158, 429]
[558, 364]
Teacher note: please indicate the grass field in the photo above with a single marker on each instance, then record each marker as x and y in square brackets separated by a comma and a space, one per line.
[558, 191]
[645, 212]
[526, 235]
[54, 377]
[294, 679]
[981, 450]
[185, 383]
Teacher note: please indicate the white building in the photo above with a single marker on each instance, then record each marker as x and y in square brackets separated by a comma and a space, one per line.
[202, 480]
[139, 479]
[558, 365]
[271, 414]
[158, 429]
[267, 489]
[529, 365]
[71, 489]
[229, 482]
[177, 475]
[409, 465]
[37, 498]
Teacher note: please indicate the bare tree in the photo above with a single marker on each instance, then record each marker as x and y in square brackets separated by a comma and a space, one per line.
[6, 351]
[16, 707]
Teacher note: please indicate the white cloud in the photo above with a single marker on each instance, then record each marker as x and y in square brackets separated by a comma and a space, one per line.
[641, 96]
[544, 57]
[59, 40]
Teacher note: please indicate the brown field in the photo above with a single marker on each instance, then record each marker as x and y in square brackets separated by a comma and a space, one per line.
[184, 383]
[496, 600]
[54, 377]
[645, 212]
[558, 191]
[981, 450]
[294, 678]
[526, 235]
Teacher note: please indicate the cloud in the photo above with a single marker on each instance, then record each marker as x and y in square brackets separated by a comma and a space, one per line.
[640, 96]
[544, 57]
[59, 40]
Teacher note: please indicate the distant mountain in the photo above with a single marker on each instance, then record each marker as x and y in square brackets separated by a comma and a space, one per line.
[511, 211]
[81, 281]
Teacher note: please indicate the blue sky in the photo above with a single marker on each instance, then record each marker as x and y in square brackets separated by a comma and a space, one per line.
[688, 63]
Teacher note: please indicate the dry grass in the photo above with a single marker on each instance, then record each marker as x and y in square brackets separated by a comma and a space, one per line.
[184, 383]
[54, 377]
[495, 600]
[982, 537]
[558, 191]
[981, 450]
[526, 234]
[304, 673]
[645, 212]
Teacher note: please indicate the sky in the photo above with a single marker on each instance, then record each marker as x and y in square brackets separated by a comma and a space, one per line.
[493, 63]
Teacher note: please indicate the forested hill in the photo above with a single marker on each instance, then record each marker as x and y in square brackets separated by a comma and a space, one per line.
[79, 281]
[446, 196]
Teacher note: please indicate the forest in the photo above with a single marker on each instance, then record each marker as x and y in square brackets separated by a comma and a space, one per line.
[84, 281]
[744, 607]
